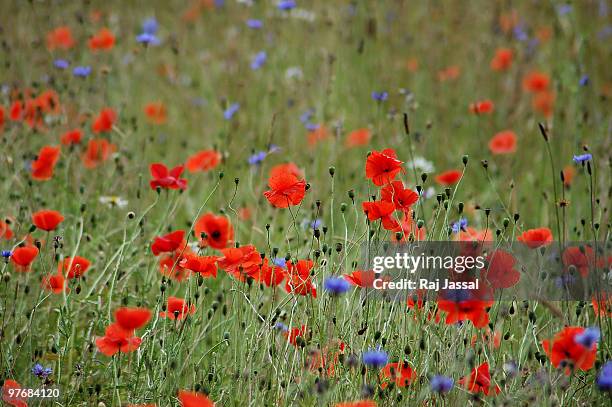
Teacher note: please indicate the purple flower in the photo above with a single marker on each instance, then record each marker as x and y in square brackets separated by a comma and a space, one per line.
[6, 254]
[460, 225]
[286, 4]
[61, 63]
[258, 60]
[148, 39]
[311, 126]
[441, 384]
[519, 33]
[588, 337]
[380, 96]
[81, 71]
[306, 116]
[280, 261]
[336, 285]
[584, 80]
[582, 158]
[281, 327]
[257, 158]
[231, 111]
[40, 371]
[375, 358]
[564, 9]
[254, 24]
[604, 380]
[149, 26]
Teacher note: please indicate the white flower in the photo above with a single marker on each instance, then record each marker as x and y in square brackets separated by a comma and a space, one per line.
[113, 201]
[294, 72]
[423, 165]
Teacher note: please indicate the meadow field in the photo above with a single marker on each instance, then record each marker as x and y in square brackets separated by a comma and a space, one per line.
[191, 193]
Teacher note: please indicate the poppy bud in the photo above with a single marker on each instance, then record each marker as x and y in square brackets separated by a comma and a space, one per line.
[516, 217]
[131, 215]
[351, 194]
[338, 247]
[343, 207]
[236, 180]
[423, 177]
[485, 164]
[332, 170]
[221, 175]
[447, 191]
[460, 207]
[465, 159]
[420, 223]
[158, 189]
[32, 228]
[307, 186]
[543, 131]
[487, 211]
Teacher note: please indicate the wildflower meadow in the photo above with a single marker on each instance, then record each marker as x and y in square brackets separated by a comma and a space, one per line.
[195, 197]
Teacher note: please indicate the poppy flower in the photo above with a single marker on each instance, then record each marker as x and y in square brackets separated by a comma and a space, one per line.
[168, 243]
[2, 118]
[581, 258]
[98, 151]
[449, 73]
[206, 266]
[284, 168]
[488, 338]
[536, 81]
[47, 219]
[193, 399]
[23, 257]
[503, 142]
[400, 373]
[170, 265]
[462, 309]
[48, 102]
[156, 112]
[55, 283]
[5, 230]
[448, 178]
[360, 403]
[204, 160]
[71, 137]
[535, 238]
[382, 210]
[357, 138]
[214, 231]
[318, 134]
[286, 189]
[544, 103]
[299, 280]
[16, 111]
[361, 278]
[566, 347]
[131, 319]
[500, 272]
[103, 40]
[42, 167]
[568, 175]
[163, 178]
[74, 267]
[474, 235]
[269, 275]
[382, 166]
[479, 381]
[9, 397]
[60, 38]
[293, 333]
[116, 339]
[104, 121]
[402, 198]
[602, 304]
[502, 60]
[177, 308]
[482, 107]
[240, 262]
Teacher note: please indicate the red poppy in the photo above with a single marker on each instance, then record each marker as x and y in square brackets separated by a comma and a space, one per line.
[360, 403]
[163, 178]
[286, 189]
[382, 210]
[193, 399]
[407, 227]
[9, 397]
[402, 198]
[204, 160]
[325, 360]
[359, 137]
[102, 40]
[72, 137]
[500, 272]
[240, 262]
[488, 338]
[449, 73]
[23, 257]
[98, 151]
[536, 82]
[47, 219]
[42, 167]
[474, 235]
[502, 60]
[503, 142]
[461, 310]
[448, 178]
[131, 319]
[361, 278]
[479, 381]
[206, 266]
[60, 37]
[565, 348]
[602, 304]
[482, 107]
[581, 258]
[5, 230]
[400, 372]
[170, 265]
[1, 117]
[55, 283]
[269, 275]
[156, 112]
[535, 238]
[568, 175]
[544, 103]
[75, 266]
[299, 280]
[177, 308]
[318, 134]
[383, 166]
[293, 333]
[16, 111]
[48, 102]
[105, 121]
[117, 339]
[168, 243]
[214, 231]
[285, 168]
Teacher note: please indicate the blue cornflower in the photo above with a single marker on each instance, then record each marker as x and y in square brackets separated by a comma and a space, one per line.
[6, 254]
[380, 96]
[588, 337]
[584, 80]
[61, 64]
[460, 225]
[281, 327]
[311, 126]
[258, 60]
[40, 371]
[375, 358]
[604, 379]
[582, 158]
[565, 280]
[148, 39]
[149, 26]
[336, 285]
[286, 4]
[520, 33]
[231, 111]
[254, 24]
[564, 9]
[257, 158]
[280, 261]
[441, 384]
[457, 295]
[81, 71]
[306, 116]
[315, 224]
